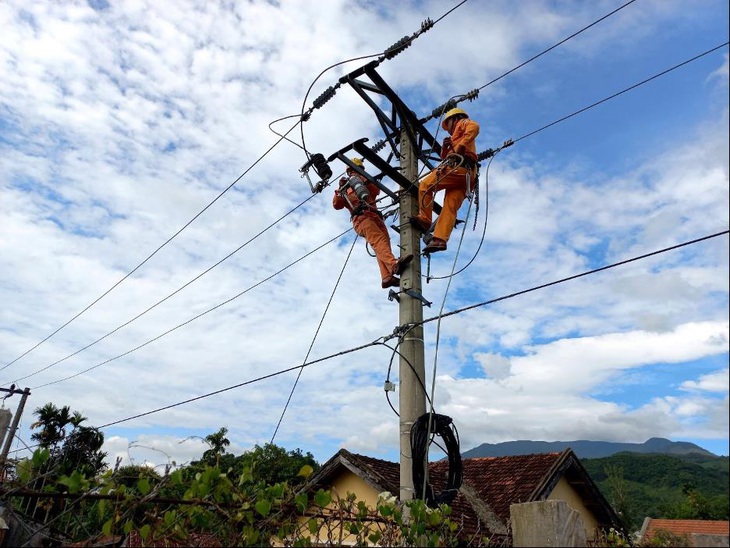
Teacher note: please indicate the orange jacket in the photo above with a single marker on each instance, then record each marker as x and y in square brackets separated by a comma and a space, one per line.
[463, 139]
[339, 201]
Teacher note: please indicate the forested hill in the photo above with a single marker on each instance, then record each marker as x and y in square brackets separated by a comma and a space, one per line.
[585, 449]
[663, 486]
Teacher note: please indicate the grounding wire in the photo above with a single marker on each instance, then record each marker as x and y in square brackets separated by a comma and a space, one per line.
[155, 251]
[170, 295]
[316, 333]
[196, 316]
[411, 326]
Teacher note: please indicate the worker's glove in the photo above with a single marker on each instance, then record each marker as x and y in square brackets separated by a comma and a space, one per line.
[343, 180]
[447, 142]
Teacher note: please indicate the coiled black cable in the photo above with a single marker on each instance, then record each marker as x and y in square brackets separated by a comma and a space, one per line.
[442, 426]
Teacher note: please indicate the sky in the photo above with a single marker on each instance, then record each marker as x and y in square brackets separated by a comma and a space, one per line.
[165, 268]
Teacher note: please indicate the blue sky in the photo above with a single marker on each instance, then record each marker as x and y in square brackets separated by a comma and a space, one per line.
[122, 122]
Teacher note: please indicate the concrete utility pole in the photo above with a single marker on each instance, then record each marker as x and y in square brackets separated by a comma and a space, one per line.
[13, 428]
[412, 398]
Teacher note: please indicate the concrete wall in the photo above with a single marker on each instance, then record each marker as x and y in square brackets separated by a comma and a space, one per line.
[546, 523]
[563, 491]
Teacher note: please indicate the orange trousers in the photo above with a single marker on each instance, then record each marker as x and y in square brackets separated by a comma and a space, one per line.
[453, 181]
[370, 226]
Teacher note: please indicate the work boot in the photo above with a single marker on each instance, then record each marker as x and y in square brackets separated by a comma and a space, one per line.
[434, 246]
[400, 266]
[420, 224]
[390, 281]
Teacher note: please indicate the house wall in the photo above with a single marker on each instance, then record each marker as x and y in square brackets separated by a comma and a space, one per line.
[347, 482]
[563, 491]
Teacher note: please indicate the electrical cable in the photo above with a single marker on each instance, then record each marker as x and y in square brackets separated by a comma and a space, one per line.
[154, 252]
[474, 93]
[421, 430]
[389, 53]
[390, 366]
[516, 140]
[570, 278]
[239, 385]
[170, 295]
[311, 345]
[559, 43]
[622, 91]
[453, 312]
[197, 316]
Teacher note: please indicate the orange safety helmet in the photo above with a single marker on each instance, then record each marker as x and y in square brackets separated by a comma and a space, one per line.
[450, 114]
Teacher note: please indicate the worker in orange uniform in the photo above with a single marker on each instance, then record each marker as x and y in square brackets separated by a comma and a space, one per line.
[456, 174]
[357, 194]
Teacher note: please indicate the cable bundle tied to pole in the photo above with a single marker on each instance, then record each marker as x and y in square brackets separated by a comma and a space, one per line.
[442, 426]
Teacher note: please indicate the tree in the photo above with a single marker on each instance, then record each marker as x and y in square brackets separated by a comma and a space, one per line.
[218, 443]
[80, 449]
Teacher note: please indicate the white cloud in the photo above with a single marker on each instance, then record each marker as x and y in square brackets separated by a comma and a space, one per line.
[118, 125]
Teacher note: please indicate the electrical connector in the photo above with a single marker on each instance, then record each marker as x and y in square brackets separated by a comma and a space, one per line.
[389, 386]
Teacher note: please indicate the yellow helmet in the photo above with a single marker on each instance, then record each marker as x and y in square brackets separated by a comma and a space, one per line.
[450, 114]
[357, 161]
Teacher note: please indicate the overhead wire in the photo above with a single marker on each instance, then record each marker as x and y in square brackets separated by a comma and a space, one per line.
[474, 93]
[170, 295]
[154, 252]
[410, 326]
[196, 316]
[316, 333]
[593, 105]
[558, 44]
[282, 137]
[574, 114]
[622, 91]
[570, 278]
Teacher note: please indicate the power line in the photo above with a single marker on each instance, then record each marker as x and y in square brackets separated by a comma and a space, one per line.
[622, 91]
[576, 276]
[171, 294]
[559, 43]
[156, 250]
[453, 312]
[194, 317]
[440, 110]
[389, 53]
[584, 109]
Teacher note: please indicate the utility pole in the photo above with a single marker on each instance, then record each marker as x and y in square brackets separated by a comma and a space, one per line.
[13, 428]
[411, 373]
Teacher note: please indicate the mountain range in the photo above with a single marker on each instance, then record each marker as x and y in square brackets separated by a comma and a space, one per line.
[585, 449]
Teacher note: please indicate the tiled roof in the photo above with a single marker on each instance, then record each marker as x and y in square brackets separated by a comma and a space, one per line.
[501, 481]
[685, 527]
[496, 481]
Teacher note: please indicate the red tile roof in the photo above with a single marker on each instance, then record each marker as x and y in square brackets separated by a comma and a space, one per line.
[685, 527]
[495, 482]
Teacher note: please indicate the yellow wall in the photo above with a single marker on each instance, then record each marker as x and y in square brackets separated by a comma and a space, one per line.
[347, 482]
[563, 491]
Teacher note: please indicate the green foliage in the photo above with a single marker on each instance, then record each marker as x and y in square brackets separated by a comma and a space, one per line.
[662, 486]
[216, 506]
